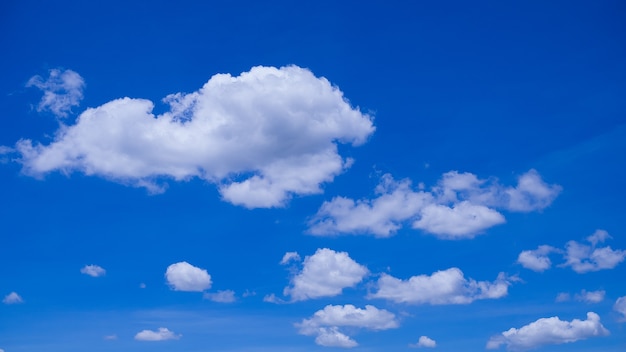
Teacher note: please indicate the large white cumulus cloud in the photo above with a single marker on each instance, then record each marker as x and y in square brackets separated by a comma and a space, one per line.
[262, 137]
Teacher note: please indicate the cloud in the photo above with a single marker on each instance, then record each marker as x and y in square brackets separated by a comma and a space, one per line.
[563, 297]
[424, 341]
[549, 331]
[93, 270]
[326, 273]
[12, 298]
[325, 323]
[62, 90]
[536, 260]
[261, 137]
[183, 276]
[226, 296]
[162, 334]
[620, 307]
[590, 296]
[271, 298]
[582, 258]
[289, 256]
[442, 287]
[460, 206]
[110, 337]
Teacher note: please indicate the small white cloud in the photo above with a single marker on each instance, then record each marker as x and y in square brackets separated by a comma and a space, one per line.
[12, 298]
[536, 260]
[563, 297]
[93, 270]
[549, 331]
[325, 323]
[62, 90]
[162, 334]
[248, 293]
[620, 307]
[183, 276]
[531, 193]
[442, 287]
[424, 341]
[462, 220]
[271, 298]
[324, 274]
[110, 337]
[590, 296]
[289, 256]
[583, 258]
[226, 296]
[599, 236]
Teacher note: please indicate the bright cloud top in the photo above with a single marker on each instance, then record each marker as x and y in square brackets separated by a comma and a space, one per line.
[442, 287]
[582, 258]
[183, 276]
[12, 298]
[424, 341]
[93, 270]
[62, 90]
[162, 334]
[325, 273]
[460, 206]
[262, 137]
[549, 331]
[325, 323]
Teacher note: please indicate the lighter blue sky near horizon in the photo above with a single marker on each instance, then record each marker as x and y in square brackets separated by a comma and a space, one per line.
[380, 176]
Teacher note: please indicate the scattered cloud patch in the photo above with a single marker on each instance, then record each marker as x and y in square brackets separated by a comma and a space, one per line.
[290, 256]
[460, 206]
[442, 287]
[590, 296]
[325, 274]
[110, 337]
[536, 260]
[549, 331]
[162, 334]
[226, 296]
[563, 297]
[271, 298]
[424, 341]
[62, 90]
[620, 307]
[326, 323]
[183, 276]
[261, 137]
[12, 298]
[93, 270]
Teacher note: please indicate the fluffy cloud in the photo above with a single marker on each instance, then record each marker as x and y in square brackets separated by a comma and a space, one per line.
[227, 296]
[620, 306]
[183, 276]
[583, 296]
[93, 270]
[289, 256]
[325, 273]
[62, 90]
[162, 334]
[262, 137]
[442, 287]
[424, 341]
[325, 323]
[12, 298]
[460, 206]
[549, 331]
[536, 260]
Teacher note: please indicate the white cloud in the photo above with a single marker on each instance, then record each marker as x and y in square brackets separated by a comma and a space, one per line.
[549, 331]
[460, 206]
[590, 296]
[271, 298]
[599, 236]
[536, 260]
[325, 323]
[583, 258]
[442, 287]
[93, 270]
[62, 90]
[110, 337]
[325, 273]
[226, 296]
[620, 307]
[162, 334]
[424, 341]
[183, 276]
[289, 256]
[563, 297]
[12, 298]
[261, 137]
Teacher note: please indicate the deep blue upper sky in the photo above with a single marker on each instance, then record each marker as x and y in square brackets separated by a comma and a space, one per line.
[503, 93]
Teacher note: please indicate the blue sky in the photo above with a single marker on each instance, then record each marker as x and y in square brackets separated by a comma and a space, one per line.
[245, 176]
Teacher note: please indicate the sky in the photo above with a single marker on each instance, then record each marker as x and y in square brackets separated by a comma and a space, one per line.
[278, 176]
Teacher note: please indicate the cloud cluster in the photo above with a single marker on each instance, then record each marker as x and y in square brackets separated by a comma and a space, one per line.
[582, 258]
[261, 137]
[162, 334]
[549, 331]
[12, 298]
[460, 206]
[424, 341]
[442, 287]
[325, 324]
[62, 90]
[93, 270]
[325, 273]
[183, 276]
[583, 296]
